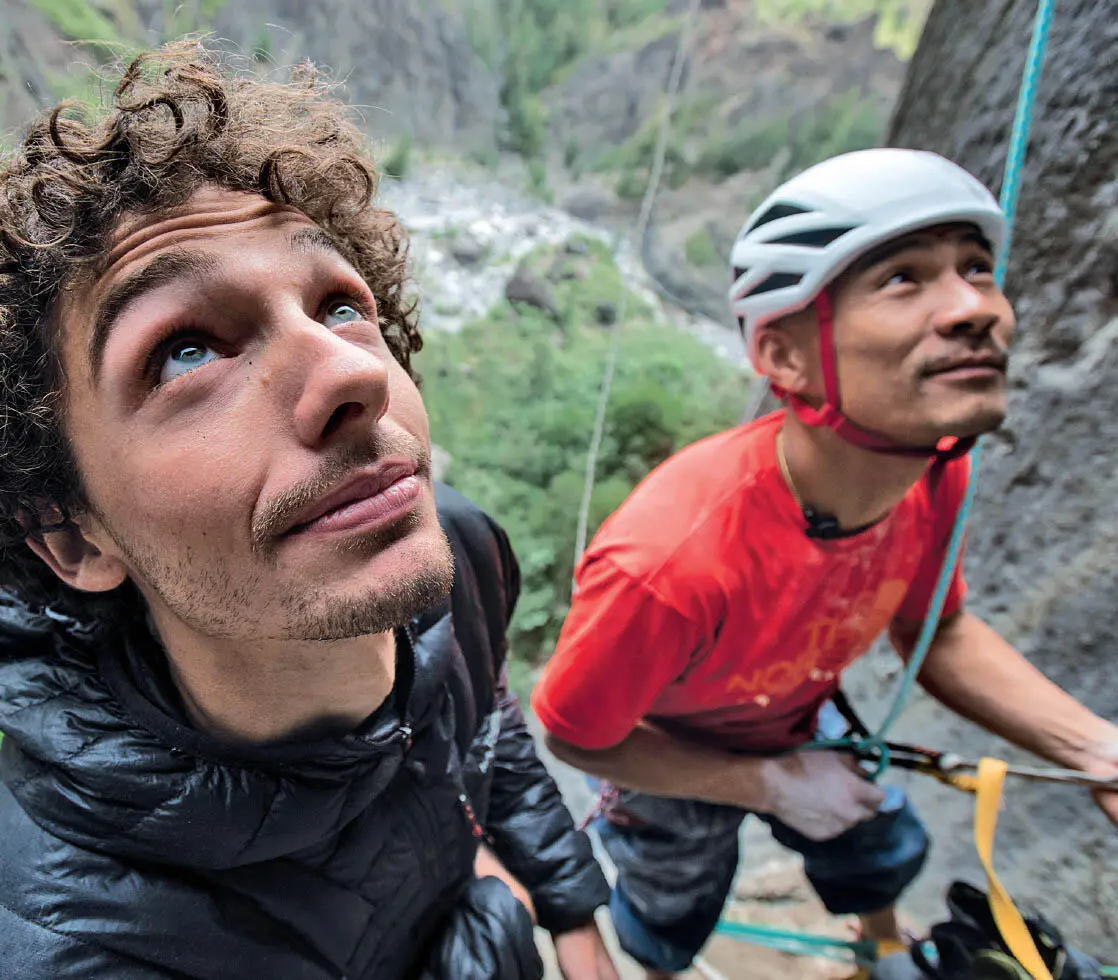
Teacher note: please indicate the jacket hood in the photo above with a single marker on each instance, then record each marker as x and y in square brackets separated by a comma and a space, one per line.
[98, 751]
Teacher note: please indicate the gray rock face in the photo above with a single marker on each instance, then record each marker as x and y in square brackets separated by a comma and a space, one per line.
[1043, 543]
[32, 59]
[468, 250]
[409, 63]
[588, 202]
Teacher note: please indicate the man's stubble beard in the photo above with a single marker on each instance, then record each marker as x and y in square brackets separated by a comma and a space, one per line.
[208, 600]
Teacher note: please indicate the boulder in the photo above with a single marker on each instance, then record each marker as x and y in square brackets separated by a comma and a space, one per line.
[531, 289]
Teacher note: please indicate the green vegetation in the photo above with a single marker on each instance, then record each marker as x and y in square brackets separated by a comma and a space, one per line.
[397, 160]
[537, 180]
[634, 158]
[846, 122]
[701, 250]
[899, 23]
[512, 398]
[191, 16]
[531, 42]
[79, 21]
[262, 46]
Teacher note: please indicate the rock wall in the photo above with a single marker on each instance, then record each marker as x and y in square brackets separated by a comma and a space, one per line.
[1043, 543]
[408, 63]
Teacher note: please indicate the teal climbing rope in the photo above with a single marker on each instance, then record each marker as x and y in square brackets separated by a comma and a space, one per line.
[861, 952]
[874, 746]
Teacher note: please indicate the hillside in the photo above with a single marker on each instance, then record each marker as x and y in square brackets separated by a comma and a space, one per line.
[572, 89]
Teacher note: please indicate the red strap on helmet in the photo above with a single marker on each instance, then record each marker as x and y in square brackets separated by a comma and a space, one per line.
[829, 414]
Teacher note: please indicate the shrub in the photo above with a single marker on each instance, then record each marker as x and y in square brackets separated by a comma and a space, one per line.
[701, 250]
[512, 398]
[397, 161]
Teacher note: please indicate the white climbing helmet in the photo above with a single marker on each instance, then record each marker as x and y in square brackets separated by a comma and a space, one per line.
[818, 223]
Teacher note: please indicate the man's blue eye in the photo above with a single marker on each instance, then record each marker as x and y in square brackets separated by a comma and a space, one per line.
[185, 357]
[344, 312]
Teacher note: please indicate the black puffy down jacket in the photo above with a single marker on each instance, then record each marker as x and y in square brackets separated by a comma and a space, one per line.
[134, 847]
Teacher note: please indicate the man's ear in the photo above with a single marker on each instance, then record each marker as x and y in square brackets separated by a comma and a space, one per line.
[76, 560]
[787, 352]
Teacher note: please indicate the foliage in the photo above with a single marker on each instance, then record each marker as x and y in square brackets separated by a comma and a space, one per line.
[262, 46]
[752, 146]
[512, 398]
[701, 250]
[845, 122]
[188, 16]
[537, 180]
[634, 158]
[532, 41]
[572, 154]
[899, 22]
[79, 21]
[398, 160]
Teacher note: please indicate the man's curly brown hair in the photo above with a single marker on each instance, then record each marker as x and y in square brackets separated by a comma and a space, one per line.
[179, 118]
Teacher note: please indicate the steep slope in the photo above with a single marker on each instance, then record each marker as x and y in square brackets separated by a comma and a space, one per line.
[1042, 545]
[771, 86]
[409, 64]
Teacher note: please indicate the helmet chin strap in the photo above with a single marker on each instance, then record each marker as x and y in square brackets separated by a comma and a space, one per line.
[829, 414]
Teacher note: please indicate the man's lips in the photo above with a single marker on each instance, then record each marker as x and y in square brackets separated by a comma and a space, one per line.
[370, 495]
[982, 365]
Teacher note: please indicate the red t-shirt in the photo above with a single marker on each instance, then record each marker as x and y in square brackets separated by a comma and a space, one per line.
[702, 606]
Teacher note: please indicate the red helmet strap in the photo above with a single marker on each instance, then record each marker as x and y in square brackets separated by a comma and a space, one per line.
[829, 415]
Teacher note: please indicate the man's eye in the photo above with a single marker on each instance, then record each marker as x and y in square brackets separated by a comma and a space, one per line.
[980, 267]
[184, 357]
[900, 277]
[343, 311]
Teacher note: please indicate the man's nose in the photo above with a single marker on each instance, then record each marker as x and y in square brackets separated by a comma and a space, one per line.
[336, 381]
[964, 308]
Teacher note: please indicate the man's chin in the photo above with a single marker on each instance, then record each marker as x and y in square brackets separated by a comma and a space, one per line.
[387, 591]
[979, 423]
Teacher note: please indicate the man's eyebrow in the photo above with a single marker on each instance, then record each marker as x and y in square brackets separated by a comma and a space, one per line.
[915, 240]
[313, 240]
[160, 271]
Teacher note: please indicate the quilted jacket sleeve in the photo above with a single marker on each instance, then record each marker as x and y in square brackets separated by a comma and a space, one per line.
[533, 833]
[489, 937]
[532, 830]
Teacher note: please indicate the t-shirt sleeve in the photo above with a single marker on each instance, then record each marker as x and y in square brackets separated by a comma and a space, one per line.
[946, 501]
[620, 646]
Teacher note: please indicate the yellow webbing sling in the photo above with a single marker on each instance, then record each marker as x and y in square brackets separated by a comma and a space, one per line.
[988, 794]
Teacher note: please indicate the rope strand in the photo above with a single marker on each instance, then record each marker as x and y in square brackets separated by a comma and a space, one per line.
[675, 81]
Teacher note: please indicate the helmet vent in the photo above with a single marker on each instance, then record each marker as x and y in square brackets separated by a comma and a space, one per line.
[738, 273]
[778, 280]
[775, 213]
[816, 238]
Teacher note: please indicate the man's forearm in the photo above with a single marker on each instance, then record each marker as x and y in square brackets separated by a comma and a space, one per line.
[651, 761]
[977, 674]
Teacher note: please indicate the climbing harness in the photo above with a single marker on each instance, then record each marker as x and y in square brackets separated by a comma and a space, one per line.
[675, 82]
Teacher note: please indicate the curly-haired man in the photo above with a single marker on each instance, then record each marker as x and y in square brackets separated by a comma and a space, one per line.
[251, 657]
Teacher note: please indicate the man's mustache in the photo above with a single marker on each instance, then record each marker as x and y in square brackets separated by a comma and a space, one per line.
[276, 515]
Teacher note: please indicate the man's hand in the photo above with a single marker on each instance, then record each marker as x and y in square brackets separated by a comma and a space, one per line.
[819, 794]
[1102, 760]
[582, 955]
[486, 865]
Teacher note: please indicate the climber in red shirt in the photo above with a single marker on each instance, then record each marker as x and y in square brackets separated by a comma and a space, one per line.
[715, 612]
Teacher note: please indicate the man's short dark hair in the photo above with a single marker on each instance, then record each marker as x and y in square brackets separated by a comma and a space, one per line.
[179, 119]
